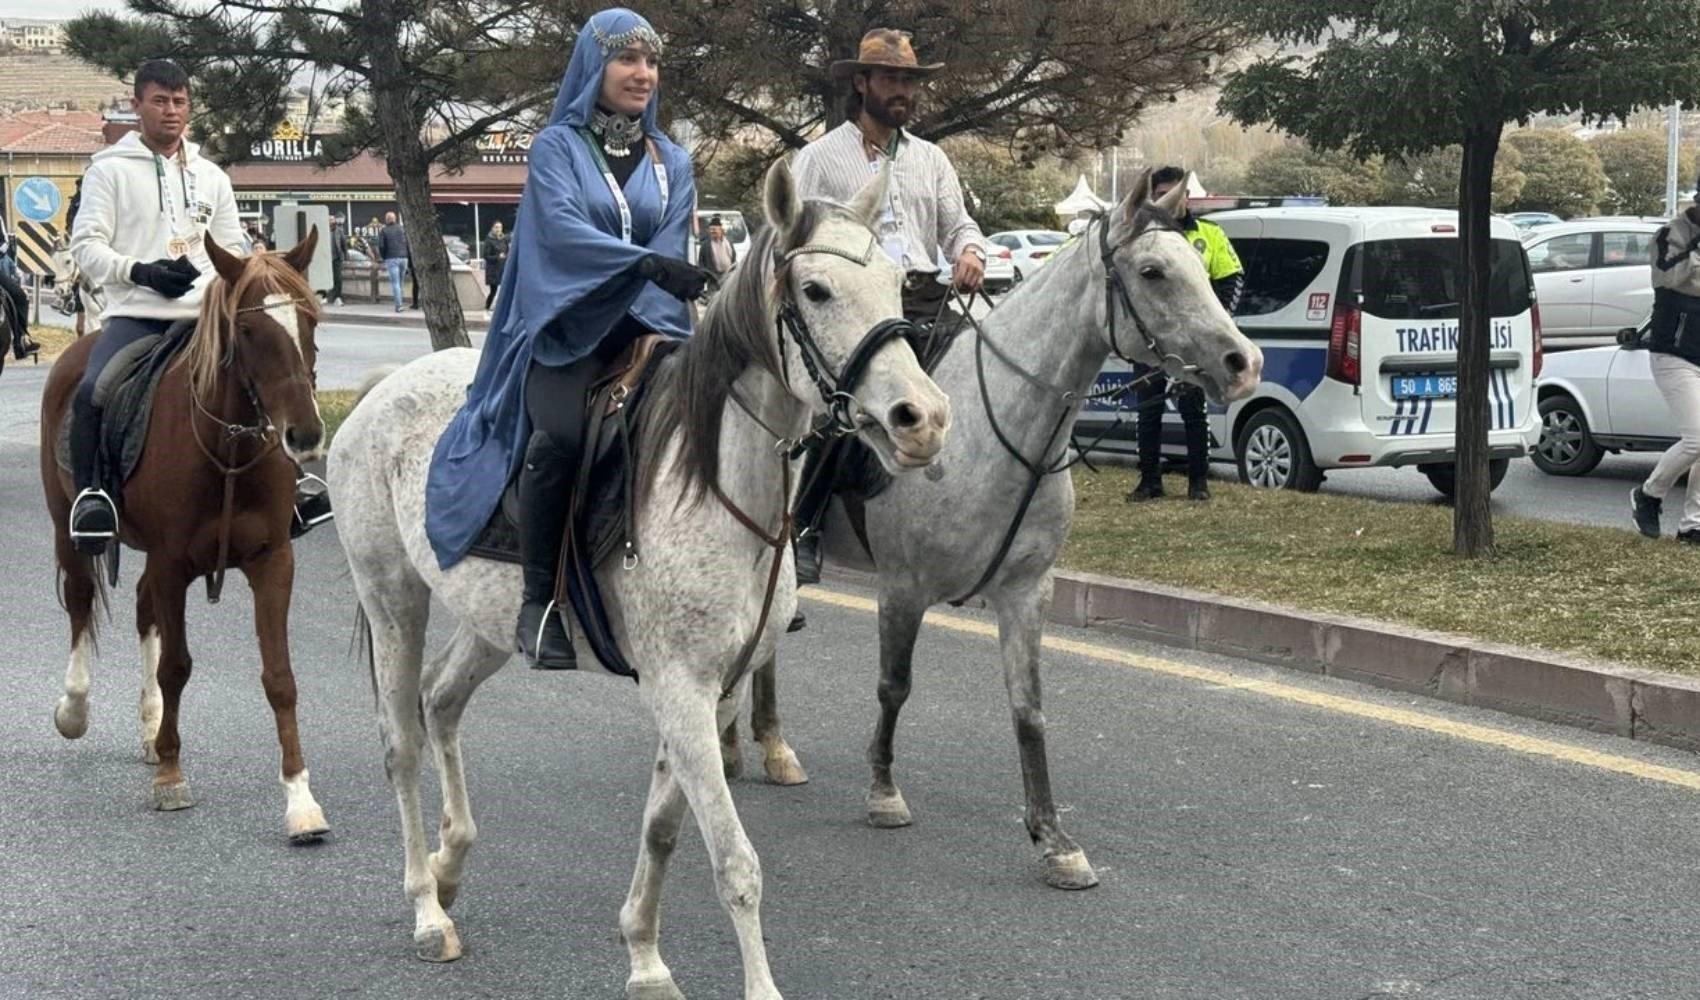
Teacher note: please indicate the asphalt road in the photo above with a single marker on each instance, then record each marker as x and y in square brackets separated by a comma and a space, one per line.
[1260, 834]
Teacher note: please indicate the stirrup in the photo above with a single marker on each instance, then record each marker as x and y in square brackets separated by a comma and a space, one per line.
[93, 541]
[311, 508]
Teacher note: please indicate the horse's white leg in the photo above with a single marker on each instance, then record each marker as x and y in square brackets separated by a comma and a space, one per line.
[451, 677]
[79, 586]
[152, 702]
[71, 714]
[900, 624]
[778, 759]
[1021, 618]
[640, 916]
[685, 714]
[272, 579]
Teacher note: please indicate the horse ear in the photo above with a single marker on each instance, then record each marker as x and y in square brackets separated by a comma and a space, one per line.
[228, 265]
[1174, 202]
[870, 200]
[780, 201]
[302, 253]
[1137, 196]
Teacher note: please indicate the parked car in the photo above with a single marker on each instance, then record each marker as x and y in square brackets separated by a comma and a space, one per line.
[1356, 310]
[1028, 248]
[1526, 221]
[1591, 277]
[1597, 400]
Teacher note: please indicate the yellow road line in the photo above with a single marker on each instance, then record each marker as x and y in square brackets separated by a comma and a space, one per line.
[1330, 702]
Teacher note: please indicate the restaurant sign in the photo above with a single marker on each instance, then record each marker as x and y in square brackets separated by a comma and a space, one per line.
[504, 147]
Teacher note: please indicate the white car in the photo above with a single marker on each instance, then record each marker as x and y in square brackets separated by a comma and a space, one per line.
[1591, 276]
[1597, 400]
[1356, 310]
[1028, 248]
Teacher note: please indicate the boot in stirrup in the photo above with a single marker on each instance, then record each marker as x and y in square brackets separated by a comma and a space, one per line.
[312, 504]
[94, 521]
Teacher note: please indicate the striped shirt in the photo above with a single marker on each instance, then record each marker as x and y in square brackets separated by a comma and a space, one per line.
[924, 214]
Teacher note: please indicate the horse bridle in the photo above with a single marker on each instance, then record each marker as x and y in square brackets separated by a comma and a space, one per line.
[262, 429]
[1115, 294]
[836, 392]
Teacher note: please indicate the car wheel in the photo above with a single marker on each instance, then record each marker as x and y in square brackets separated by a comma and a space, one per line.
[1444, 477]
[1272, 453]
[1567, 447]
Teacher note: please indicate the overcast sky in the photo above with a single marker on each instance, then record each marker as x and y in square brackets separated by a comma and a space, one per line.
[58, 10]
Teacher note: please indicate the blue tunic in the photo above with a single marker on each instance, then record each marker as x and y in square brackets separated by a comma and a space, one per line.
[569, 279]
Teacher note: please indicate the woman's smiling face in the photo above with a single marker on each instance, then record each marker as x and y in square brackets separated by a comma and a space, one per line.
[630, 79]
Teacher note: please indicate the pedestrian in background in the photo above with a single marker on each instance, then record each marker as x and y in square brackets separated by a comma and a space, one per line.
[496, 244]
[339, 252]
[1674, 356]
[1227, 277]
[716, 252]
[393, 251]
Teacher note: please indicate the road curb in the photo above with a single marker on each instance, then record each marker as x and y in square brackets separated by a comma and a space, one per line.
[1647, 705]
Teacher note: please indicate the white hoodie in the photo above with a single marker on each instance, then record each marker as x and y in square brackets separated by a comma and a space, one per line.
[141, 207]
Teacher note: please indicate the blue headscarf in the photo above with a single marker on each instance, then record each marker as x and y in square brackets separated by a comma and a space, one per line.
[569, 279]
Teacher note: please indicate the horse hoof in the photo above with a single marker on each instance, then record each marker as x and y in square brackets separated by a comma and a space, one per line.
[149, 754]
[72, 720]
[306, 826]
[654, 989]
[784, 769]
[888, 812]
[1069, 871]
[437, 944]
[170, 798]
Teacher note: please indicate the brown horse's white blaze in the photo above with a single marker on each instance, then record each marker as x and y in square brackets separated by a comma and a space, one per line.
[248, 366]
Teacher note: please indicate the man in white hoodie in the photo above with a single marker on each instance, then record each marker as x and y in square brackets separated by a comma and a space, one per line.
[149, 203]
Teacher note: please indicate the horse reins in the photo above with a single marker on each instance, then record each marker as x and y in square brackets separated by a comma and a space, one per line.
[839, 421]
[263, 429]
[1115, 294]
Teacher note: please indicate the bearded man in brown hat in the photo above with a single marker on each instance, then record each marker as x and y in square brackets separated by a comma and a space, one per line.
[924, 214]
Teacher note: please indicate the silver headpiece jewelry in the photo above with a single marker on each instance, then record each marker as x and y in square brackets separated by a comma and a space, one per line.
[611, 44]
[617, 132]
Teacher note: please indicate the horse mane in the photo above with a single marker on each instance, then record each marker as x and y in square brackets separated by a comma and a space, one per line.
[738, 330]
[211, 344]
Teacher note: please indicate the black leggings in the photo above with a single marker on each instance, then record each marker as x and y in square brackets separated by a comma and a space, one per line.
[555, 394]
[116, 333]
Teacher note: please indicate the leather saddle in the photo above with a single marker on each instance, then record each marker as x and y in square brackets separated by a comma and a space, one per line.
[124, 390]
[599, 522]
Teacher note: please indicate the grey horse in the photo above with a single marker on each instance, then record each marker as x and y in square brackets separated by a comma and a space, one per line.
[937, 537]
[719, 417]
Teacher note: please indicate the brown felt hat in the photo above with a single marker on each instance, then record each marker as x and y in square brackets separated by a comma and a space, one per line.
[884, 48]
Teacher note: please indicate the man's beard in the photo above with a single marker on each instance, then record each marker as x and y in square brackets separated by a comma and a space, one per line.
[881, 112]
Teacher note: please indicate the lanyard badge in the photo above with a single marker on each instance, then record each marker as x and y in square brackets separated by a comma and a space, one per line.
[177, 246]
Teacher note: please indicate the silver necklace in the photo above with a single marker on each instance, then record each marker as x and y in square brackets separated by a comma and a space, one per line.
[617, 133]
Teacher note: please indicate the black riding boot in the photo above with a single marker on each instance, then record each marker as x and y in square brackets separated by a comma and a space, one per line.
[94, 517]
[544, 485]
[312, 504]
[812, 499]
[1191, 404]
[1151, 399]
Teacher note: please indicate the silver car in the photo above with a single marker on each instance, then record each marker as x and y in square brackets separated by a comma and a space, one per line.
[1591, 277]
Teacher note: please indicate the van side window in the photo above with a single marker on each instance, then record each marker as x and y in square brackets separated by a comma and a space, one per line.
[1277, 272]
[1421, 278]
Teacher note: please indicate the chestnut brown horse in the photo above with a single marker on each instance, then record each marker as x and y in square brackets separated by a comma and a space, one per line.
[213, 488]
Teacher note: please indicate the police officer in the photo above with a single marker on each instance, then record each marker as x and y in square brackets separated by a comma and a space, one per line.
[1227, 277]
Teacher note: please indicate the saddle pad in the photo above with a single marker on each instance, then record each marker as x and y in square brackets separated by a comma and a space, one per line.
[125, 391]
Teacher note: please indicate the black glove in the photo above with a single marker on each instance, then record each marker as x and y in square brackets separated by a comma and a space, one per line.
[673, 276]
[170, 278]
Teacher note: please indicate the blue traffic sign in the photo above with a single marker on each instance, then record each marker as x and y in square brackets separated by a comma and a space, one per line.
[37, 199]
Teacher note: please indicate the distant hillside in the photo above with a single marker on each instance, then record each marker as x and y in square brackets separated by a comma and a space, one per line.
[34, 82]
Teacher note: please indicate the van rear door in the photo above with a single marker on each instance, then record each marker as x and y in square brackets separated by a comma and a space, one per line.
[1407, 292]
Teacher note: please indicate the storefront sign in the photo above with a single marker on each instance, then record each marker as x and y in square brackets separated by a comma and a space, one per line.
[504, 147]
[297, 149]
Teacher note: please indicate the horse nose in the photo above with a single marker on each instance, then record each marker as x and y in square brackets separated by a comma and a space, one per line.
[1235, 362]
[301, 441]
[904, 416]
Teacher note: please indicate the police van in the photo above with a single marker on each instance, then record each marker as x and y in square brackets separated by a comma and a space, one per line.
[1356, 310]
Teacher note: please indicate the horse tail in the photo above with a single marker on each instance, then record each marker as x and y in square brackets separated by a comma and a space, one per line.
[361, 645]
[101, 607]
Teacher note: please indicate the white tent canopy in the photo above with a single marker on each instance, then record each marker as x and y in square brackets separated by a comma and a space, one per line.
[1081, 199]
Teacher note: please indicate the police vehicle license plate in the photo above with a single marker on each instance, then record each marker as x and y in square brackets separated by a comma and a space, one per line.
[1425, 386]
